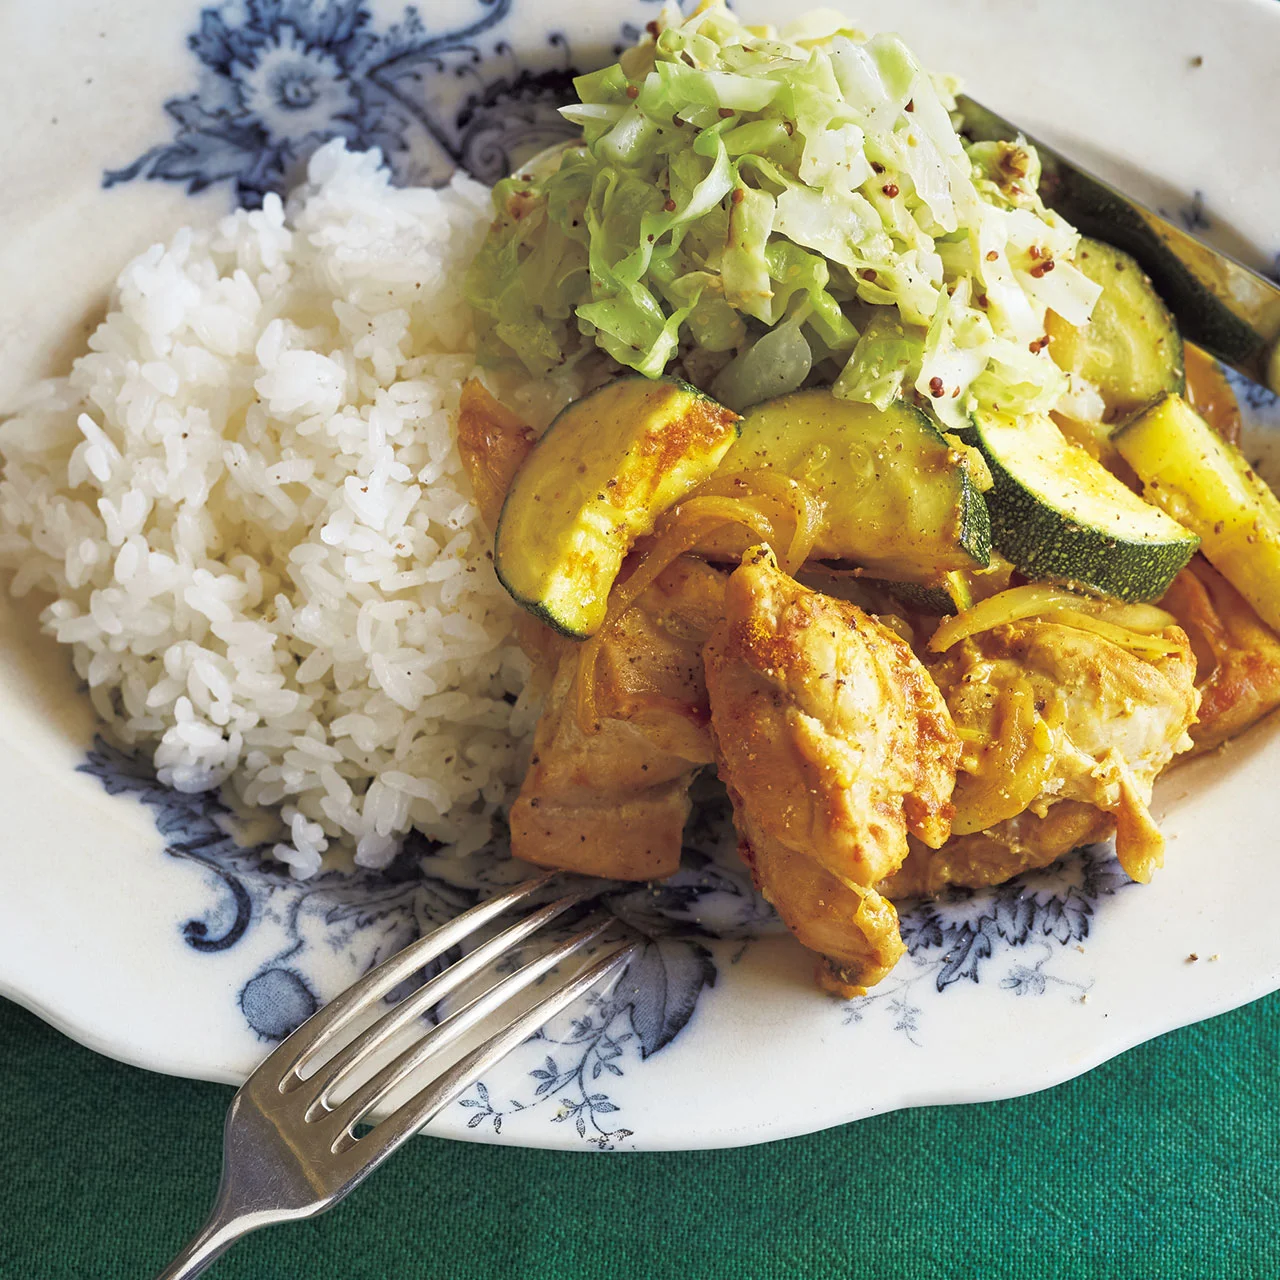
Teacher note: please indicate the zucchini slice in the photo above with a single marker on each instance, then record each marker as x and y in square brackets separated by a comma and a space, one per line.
[1130, 349]
[1059, 515]
[956, 591]
[605, 469]
[952, 593]
[898, 499]
[1206, 483]
[949, 595]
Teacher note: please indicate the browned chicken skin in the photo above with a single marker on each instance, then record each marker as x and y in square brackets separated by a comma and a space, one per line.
[834, 743]
[611, 798]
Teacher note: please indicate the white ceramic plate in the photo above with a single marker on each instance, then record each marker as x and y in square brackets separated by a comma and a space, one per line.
[128, 921]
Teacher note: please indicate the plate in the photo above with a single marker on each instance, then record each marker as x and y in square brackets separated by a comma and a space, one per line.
[130, 921]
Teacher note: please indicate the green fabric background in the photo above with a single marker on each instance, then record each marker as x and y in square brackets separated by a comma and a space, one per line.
[1164, 1163]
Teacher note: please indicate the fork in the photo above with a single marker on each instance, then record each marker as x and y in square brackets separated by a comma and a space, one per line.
[290, 1147]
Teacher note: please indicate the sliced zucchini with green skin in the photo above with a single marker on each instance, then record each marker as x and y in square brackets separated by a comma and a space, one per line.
[599, 477]
[958, 590]
[1061, 516]
[1206, 483]
[948, 595]
[1130, 349]
[898, 500]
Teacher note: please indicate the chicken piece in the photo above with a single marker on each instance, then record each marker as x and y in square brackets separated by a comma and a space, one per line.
[980, 858]
[492, 443]
[853, 928]
[1052, 713]
[613, 801]
[834, 743]
[1237, 654]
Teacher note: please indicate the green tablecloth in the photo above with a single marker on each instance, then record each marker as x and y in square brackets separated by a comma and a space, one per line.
[1164, 1163]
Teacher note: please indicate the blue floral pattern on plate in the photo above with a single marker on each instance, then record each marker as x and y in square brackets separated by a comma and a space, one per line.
[275, 79]
[279, 77]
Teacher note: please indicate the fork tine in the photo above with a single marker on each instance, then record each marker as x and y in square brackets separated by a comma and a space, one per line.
[366, 1153]
[431, 993]
[322, 1026]
[351, 1110]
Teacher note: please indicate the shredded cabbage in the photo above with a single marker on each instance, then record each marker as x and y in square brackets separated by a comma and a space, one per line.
[797, 205]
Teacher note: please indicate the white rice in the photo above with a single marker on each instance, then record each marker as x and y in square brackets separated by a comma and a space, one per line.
[248, 505]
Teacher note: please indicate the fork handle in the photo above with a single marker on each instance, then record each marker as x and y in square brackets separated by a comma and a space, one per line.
[222, 1230]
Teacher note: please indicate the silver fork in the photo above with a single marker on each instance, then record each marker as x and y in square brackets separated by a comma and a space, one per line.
[290, 1149]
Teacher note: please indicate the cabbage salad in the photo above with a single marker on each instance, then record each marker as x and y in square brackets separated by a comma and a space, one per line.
[775, 209]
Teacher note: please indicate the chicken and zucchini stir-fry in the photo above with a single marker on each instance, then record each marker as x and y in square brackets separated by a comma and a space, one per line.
[941, 550]
[898, 696]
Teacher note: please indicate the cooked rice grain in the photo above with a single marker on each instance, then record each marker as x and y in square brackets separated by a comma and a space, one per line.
[249, 507]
